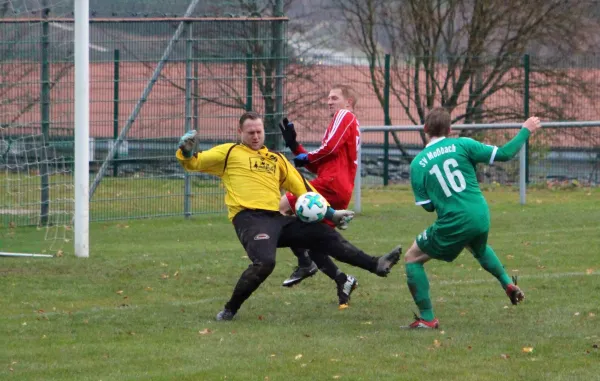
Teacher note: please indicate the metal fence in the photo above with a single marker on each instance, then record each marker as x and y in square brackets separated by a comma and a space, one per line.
[215, 70]
[221, 66]
[538, 162]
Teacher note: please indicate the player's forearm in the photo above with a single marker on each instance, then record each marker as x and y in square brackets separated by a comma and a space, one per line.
[191, 164]
[299, 149]
[510, 149]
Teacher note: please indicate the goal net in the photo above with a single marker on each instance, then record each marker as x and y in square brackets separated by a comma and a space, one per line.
[36, 169]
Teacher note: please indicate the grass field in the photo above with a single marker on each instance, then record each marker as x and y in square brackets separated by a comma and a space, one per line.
[143, 305]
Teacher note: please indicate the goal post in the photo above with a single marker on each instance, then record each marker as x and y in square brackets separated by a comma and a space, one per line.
[82, 129]
[44, 172]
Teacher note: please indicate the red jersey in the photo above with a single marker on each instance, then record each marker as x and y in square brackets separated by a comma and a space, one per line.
[335, 161]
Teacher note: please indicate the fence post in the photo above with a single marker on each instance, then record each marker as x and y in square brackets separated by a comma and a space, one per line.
[188, 114]
[527, 70]
[45, 114]
[249, 76]
[387, 121]
[116, 79]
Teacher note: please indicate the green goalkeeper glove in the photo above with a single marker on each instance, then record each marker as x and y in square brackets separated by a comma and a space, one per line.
[187, 143]
[340, 218]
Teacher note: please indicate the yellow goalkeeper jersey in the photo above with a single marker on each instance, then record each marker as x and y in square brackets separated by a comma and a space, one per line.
[252, 179]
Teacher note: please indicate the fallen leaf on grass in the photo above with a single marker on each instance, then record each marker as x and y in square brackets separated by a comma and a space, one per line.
[336, 377]
[205, 331]
[436, 343]
[298, 357]
[59, 253]
[504, 356]
[176, 274]
[591, 314]
[589, 271]
[527, 349]
[148, 288]
[260, 317]
[120, 292]
[510, 256]
[334, 360]
[469, 347]
[442, 332]
[367, 322]
[576, 314]
[595, 346]
[164, 276]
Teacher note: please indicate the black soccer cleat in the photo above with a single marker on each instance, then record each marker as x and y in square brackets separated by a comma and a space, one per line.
[299, 274]
[344, 290]
[225, 315]
[386, 262]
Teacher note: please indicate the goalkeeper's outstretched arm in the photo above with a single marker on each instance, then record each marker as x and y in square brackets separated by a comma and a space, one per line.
[211, 161]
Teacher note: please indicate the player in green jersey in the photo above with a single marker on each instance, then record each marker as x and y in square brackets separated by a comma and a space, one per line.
[443, 179]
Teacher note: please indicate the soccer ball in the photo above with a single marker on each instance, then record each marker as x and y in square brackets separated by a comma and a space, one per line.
[311, 207]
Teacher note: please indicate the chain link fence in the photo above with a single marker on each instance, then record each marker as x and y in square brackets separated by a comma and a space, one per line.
[220, 67]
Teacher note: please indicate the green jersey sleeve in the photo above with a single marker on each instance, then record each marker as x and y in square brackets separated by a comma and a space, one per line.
[417, 180]
[479, 152]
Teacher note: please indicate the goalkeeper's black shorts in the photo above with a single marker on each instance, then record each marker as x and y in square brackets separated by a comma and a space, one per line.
[261, 232]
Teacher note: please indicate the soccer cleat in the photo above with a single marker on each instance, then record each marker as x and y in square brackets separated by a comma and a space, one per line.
[514, 293]
[299, 274]
[225, 315]
[420, 323]
[386, 262]
[344, 290]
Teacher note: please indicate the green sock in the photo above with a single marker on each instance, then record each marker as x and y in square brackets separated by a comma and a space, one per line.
[490, 262]
[418, 284]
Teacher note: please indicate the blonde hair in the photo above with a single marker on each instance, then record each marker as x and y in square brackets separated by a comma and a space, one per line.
[348, 93]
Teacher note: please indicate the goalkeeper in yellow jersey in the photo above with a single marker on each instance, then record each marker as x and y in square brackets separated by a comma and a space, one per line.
[252, 177]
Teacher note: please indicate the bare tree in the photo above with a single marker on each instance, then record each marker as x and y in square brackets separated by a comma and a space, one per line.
[19, 94]
[467, 55]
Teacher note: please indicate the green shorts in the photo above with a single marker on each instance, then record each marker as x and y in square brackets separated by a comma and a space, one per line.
[446, 243]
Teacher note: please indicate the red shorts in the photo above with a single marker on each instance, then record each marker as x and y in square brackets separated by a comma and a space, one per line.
[338, 199]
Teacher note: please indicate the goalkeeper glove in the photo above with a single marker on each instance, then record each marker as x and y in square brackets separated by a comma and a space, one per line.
[187, 144]
[340, 218]
[301, 160]
[289, 134]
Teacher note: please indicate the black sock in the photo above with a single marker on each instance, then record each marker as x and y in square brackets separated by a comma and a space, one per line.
[303, 257]
[251, 278]
[325, 264]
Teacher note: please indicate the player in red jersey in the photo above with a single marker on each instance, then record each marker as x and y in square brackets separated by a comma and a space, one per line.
[334, 163]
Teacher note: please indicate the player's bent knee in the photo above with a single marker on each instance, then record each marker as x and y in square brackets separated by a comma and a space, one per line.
[414, 254]
[265, 267]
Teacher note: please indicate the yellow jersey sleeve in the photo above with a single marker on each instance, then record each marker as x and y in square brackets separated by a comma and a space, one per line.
[211, 161]
[291, 180]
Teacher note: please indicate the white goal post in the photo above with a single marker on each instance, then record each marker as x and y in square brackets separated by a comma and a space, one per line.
[38, 187]
[483, 126]
[82, 128]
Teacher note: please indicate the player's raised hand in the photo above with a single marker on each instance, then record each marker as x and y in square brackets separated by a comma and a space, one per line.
[289, 134]
[532, 124]
[187, 143]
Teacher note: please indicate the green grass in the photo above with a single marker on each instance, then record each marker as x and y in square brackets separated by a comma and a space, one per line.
[134, 310]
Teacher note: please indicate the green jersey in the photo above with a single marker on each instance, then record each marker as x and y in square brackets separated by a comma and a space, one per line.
[444, 174]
